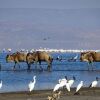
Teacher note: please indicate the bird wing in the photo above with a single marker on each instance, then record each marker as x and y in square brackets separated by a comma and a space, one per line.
[1, 85]
[68, 87]
[94, 84]
[31, 86]
[71, 82]
[78, 87]
[56, 87]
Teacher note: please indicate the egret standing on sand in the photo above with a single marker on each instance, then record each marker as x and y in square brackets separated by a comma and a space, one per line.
[94, 83]
[79, 86]
[61, 84]
[32, 84]
[65, 83]
[56, 88]
[67, 86]
[1, 84]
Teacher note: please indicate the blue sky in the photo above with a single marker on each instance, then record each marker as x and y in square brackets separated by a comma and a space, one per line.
[67, 24]
[59, 4]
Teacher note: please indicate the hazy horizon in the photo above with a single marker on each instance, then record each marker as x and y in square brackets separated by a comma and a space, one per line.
[67, 24]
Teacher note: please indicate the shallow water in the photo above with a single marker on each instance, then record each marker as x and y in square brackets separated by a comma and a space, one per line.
[18, 80]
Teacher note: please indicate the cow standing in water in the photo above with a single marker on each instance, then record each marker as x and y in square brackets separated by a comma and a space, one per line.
[16, 58]
[39, 56]
[30, 58]
[90, 57]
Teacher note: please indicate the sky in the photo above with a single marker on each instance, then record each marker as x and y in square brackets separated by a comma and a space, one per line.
[66, 24]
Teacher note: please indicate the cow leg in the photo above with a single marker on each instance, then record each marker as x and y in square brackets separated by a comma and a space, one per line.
[49, 66]
[89, 65]
[18, 65]
[92, 66]
[40, 65]
[28, 64]
[35, 65]
[14, 66]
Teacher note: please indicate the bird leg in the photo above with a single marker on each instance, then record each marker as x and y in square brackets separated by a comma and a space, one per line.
[76, 93]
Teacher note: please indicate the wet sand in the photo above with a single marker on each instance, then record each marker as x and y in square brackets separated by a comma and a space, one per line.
[84, 94]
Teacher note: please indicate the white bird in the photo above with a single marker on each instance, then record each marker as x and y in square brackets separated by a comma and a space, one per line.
[1, 84]
[63, 80]
[57, 86]
[67, 86]
[61, 84]
[65, 83]
[79, 86]
[71, 81]
[32, 84]
[75, 58]
[94, 83]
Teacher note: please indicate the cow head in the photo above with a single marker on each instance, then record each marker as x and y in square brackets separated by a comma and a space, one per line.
[9, 58]
[87, 56]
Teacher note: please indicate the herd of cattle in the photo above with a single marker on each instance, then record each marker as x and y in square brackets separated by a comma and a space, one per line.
[30, 58]
[38, 57]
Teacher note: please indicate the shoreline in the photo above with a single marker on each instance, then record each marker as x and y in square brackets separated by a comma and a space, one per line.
[82, 90]
[84, 94]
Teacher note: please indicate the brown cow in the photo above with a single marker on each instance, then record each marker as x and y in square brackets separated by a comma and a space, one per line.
[39, 56]
[16, 57]
[90, 57]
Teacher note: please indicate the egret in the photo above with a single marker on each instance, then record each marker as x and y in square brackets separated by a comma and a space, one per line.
[65, 83]
[1, 84]
[63, 80]
[57, 86]
[94, 83]
[71, 81]
[79, 86]
[61, 84]
[67, 86]
[32, 84]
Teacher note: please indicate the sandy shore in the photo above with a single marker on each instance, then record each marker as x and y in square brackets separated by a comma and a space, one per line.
[84, 94]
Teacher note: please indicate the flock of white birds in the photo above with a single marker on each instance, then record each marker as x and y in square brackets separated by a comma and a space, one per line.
[68, 83]
[61, 83]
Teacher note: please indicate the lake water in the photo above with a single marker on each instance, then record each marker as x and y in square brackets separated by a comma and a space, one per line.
[18, 80]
